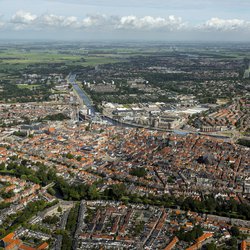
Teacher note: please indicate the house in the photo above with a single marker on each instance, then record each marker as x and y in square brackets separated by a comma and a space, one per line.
[200, 241]
[172, 244]
[9, 242]
[245, 245]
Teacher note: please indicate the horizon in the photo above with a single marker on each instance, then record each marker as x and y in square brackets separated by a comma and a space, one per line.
[120, 41]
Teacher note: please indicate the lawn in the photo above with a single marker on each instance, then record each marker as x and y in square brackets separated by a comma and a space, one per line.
[26, 86]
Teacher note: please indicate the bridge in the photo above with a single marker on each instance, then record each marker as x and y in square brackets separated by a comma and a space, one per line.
[107, 117]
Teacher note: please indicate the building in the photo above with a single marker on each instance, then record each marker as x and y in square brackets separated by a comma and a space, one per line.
[11, 242]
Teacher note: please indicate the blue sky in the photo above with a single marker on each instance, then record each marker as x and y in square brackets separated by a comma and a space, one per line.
[126, 19]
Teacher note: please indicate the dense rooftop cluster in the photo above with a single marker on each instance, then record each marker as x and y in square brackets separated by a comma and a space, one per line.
[26, 113]
[109, 153]
[115, 226]
[149, 164]
[235, 115]
[70, 179]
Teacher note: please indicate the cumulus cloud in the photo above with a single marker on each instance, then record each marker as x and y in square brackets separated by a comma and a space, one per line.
[26, 20]
[226, 24]
[97, 21]
[149, 22]
[23, 20]
[22, 17]
[54, 21]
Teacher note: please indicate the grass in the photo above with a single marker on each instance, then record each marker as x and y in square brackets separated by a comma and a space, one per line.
[26, 86]
[19, 58]
[5, 171]
[93, 61]
[222, 101]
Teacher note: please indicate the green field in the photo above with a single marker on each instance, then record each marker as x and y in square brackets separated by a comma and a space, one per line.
[27, 86]
[22, 58]
[15, 62]
[19, 58]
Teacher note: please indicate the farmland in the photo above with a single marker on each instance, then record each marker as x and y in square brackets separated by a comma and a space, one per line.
[170, 68]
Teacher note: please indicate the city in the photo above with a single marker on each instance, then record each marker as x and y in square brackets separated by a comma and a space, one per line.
[124, 126]
[101, 177]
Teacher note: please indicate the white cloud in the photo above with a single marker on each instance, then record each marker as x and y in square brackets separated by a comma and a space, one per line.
[23, 20]
[70, 22]
[26, 20]
[149, 23]
[54, 21]
[2, 23]
[226, 24]
[22, 17]
[94, 21]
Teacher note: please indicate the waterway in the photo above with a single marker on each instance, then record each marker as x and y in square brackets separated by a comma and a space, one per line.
[82, 94]
[87, 101]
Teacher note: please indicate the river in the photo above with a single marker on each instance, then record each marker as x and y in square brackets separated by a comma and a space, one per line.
[87, 101]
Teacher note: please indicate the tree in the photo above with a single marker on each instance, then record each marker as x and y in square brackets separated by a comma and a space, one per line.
[78, 158]
[233, 243]
[139, 172]
[189, 236]
[93, 192]
[2, 232]
[2, 166]
[51, 175]
[235, 231]
[69, 156]
[73, 193]
[51, 220]
[42, 176]
[116, 191]
[56, 117]
[125, 199]
[8, 195]
[51, 191]
[138, 228]
[34, 179]
[211, 246]
[170, 179]
[244, 142]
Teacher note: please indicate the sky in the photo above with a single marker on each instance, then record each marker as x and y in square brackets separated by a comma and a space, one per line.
[178, 20]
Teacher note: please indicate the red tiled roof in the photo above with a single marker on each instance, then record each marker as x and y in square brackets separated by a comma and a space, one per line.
[24, 247]
[43, 246]
[172, 244]
[243, 245]
[14, 244]
[204, 237]
[8, 238]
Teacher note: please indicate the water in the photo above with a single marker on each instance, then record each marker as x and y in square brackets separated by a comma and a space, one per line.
[82, 94]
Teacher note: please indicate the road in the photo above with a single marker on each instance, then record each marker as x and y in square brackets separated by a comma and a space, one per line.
[87, 101]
